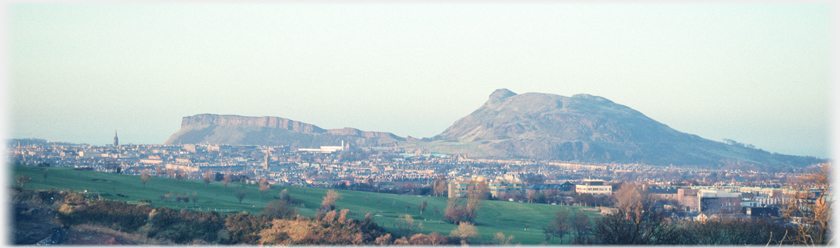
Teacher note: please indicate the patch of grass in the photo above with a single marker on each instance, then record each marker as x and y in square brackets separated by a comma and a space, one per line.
[522, 220]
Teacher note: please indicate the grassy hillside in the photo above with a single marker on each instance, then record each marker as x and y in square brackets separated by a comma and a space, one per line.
[522, 220]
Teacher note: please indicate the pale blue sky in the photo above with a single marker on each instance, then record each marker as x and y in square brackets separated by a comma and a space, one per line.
[756, 73]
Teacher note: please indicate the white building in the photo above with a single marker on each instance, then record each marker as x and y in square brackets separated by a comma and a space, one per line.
[593, 186]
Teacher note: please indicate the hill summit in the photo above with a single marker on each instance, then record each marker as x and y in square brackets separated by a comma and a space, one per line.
[587, 128]
[582, 128]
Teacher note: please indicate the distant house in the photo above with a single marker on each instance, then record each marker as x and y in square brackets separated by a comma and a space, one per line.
[386, 185]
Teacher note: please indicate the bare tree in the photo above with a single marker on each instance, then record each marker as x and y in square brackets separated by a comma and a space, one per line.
[384, 239]
[179, 175]
[440, 186]
[404, 225]
[145, 177]
[208, 177]
[466, 232]
[500, 239]
[422, 207]
[21, 180]
[328, 203]
[264, 187]
[226, 180]
[582, 226]
[46, 173]
[194, 197]
[811, 206]
[558, 227]
[635, 202]
[531, 195]
[636, 222]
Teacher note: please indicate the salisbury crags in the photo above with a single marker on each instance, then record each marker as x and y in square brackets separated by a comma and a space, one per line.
[244, 130]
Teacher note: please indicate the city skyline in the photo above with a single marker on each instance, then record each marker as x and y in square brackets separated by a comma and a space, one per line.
[755, 73]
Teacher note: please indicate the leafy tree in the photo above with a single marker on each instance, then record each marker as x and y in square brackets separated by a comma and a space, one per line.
[284, 195]
[240, 193]
[145, 177]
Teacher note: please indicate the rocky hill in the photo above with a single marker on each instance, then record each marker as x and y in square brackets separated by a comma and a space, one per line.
[243, 130]
[587, 128]
[581, 128]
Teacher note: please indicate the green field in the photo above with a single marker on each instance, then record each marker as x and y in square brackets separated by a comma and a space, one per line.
[522, 220]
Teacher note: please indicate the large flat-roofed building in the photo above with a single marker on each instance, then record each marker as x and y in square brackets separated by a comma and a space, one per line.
[717, 201]
[594, 186]
[324, 149]
[460, 187]
[501, 187]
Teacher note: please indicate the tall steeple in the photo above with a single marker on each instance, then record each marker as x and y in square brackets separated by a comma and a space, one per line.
[116, 140]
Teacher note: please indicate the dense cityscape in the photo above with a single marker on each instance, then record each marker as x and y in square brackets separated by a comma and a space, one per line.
[691, 191]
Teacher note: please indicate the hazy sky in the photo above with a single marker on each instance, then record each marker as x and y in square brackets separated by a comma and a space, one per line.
[756, 73]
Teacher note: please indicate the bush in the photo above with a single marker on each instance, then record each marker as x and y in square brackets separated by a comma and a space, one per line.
[126, 216]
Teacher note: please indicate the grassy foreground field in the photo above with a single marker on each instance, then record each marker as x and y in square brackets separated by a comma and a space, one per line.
[522, 220]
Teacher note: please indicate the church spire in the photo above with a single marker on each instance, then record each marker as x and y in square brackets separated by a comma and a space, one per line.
[116, 139]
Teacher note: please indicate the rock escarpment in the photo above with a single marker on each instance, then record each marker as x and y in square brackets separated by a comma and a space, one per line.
[245, 130]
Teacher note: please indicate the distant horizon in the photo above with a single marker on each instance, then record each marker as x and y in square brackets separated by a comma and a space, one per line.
[756, 73]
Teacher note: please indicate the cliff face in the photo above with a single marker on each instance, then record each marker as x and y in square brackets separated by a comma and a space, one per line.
[245, 121]
[267, 130]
